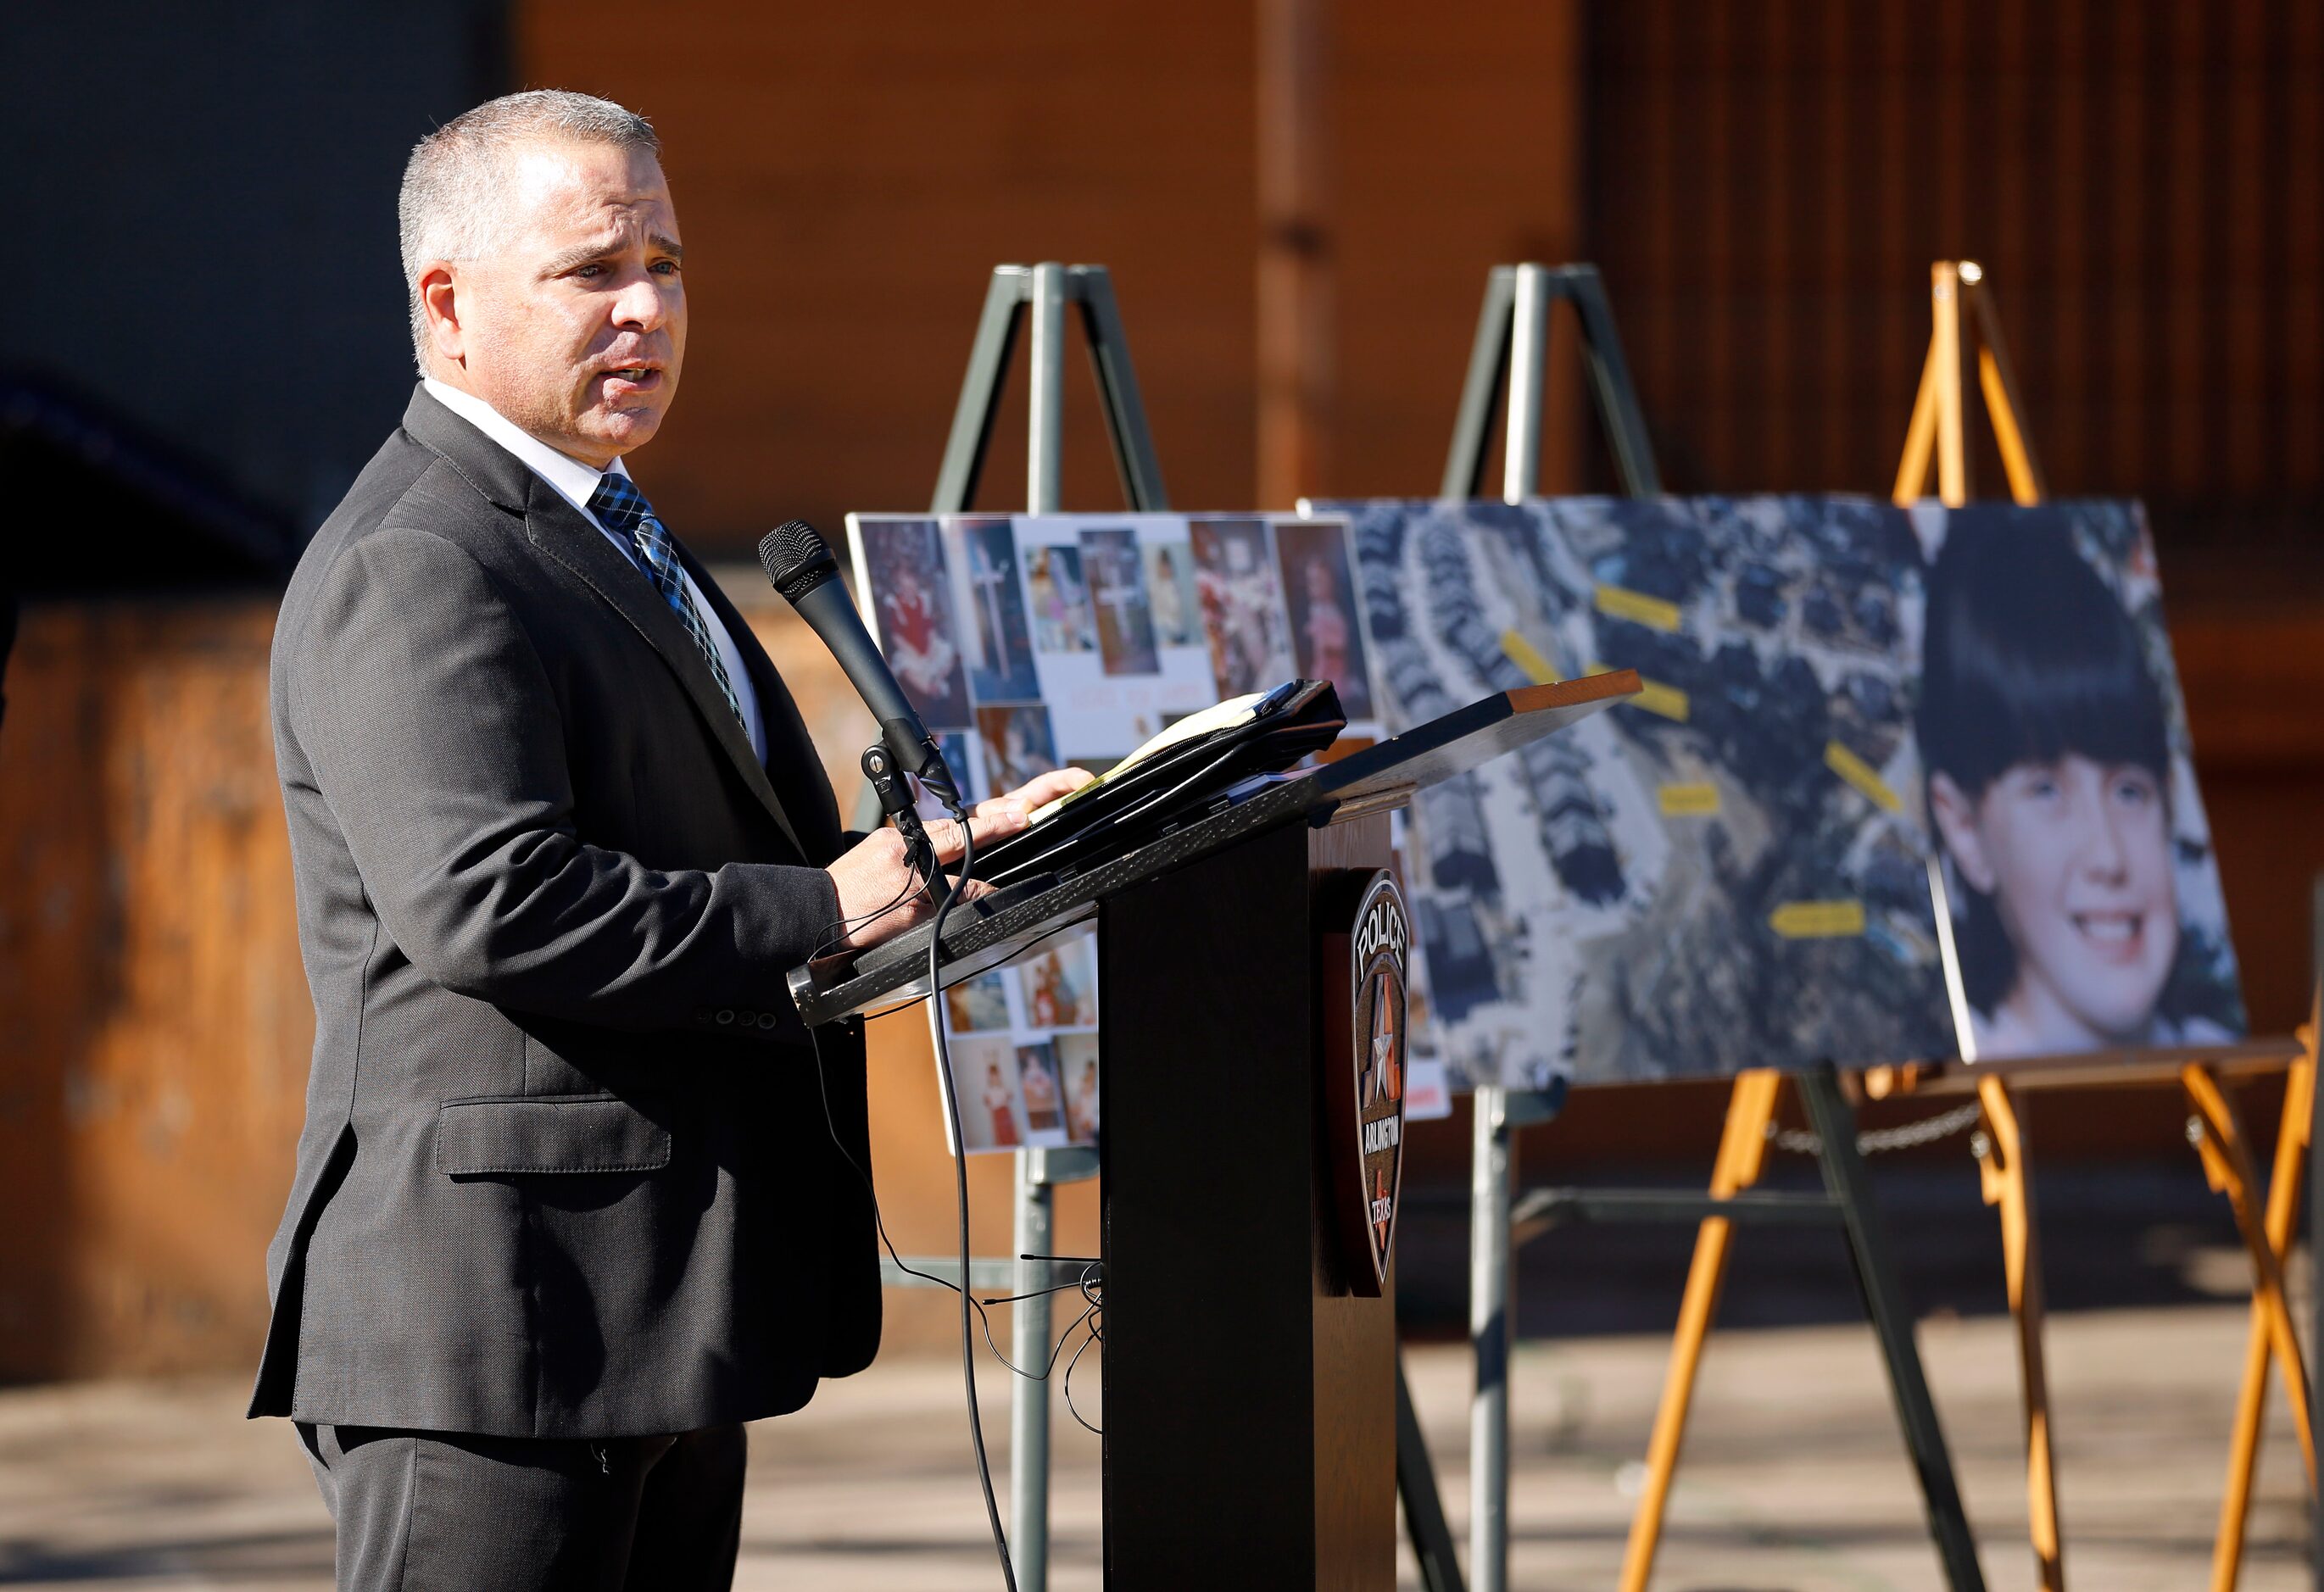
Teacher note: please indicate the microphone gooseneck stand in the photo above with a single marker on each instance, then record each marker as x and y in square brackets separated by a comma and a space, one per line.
[895, 795]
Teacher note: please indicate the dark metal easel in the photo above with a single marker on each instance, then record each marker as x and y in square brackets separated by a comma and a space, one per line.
[1042, 292]
[1510, 352]
[1039, 294]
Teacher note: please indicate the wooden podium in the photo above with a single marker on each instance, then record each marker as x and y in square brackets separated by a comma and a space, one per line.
[1249, 1422]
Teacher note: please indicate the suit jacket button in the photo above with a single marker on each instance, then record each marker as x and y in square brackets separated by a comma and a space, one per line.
[702, 1015]
[767, 1019]
[725, 1016]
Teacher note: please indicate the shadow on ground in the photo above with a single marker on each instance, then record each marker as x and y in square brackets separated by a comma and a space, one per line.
[301, 1557]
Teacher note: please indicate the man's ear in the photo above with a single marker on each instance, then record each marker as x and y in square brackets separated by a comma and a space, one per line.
[439, 301]
[1956, 817]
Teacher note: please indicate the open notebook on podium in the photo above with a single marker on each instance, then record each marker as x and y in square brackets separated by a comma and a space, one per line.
[1190, 768]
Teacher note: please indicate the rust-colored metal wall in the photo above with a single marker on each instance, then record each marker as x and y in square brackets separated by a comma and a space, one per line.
[155, 1022]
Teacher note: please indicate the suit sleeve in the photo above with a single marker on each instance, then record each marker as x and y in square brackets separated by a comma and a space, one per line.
[435, 740]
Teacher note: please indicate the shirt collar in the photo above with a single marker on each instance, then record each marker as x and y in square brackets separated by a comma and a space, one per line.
[567, 476]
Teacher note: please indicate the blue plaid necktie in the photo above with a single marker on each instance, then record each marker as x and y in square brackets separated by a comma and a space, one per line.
[623, 508]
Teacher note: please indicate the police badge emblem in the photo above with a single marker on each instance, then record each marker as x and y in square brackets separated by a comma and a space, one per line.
[1363, 1059]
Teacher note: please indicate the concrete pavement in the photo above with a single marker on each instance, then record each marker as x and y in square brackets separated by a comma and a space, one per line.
[1795, 1478]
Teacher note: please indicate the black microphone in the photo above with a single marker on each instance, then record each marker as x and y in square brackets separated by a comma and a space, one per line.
[798, 561]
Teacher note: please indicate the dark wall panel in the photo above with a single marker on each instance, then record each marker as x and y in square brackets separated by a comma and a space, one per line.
[2145, 181]
[209, 203]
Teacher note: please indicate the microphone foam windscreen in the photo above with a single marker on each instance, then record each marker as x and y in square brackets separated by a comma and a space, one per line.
[796, 558]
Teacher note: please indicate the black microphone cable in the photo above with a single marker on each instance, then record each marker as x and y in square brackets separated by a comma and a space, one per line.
[1083, 1285]
[916, 883]
[960, 1183]
[800, 564]
[968, 1299]
[1093, 1293]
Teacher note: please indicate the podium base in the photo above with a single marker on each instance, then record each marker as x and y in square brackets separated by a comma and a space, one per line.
[1249, 1396]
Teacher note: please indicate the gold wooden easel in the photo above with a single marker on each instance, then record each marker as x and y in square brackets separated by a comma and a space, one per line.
[2227, 1164]
[1965, 332]
[1966, 346]
[1961, 305]
[1963, 312]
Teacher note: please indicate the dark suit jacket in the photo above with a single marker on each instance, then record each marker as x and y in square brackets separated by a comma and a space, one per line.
[565, 1171]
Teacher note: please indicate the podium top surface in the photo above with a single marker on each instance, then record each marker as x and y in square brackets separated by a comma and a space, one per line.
[985, 934]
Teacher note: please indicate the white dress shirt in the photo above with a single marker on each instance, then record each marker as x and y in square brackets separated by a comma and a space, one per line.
[575, 481]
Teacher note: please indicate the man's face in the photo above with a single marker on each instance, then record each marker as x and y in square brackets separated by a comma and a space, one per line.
[575, 326]
[2077, 856]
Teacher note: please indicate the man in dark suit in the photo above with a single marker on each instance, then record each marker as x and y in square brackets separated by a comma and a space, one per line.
[574, 1199]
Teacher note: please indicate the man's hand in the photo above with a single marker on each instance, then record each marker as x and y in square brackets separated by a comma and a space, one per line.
[879, 896]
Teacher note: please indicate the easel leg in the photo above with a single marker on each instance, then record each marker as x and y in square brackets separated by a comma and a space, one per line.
[2251, 1404]
[1416, 1486]
[2226, 1159]
[1920, 438]
[2003, 406]
[1884, 1302]
[1948, 351]
[1491, 1334]
[1029, 1406]
[1499, 1112]
[1742, 1153]
[2008, 1186]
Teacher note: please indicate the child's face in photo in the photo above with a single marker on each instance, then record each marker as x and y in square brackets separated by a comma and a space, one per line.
[2076, 855]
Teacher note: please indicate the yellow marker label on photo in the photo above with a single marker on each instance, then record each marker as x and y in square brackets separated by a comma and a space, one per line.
[1861, 775]
[1528, 658]
[1689, 801]
[1638, 608]
[1818, 920]
[1653, 696]
[1656, 697]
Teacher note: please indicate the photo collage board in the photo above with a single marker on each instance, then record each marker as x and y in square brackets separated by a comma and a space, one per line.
[1902, 786]
[1030, 642]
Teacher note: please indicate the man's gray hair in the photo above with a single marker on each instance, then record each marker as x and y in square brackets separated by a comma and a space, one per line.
[455, 186]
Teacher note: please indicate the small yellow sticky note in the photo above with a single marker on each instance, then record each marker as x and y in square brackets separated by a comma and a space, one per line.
[1637, 607]
[1861, 775]
[1689, 801]
[1818, 920]
[1528, 658]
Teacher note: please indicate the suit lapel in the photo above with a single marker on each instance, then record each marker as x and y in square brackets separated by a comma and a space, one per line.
[558, 530]
[790, 750]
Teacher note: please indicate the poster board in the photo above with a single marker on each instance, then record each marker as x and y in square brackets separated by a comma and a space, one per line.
[1030, 642]
[1742, 868]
